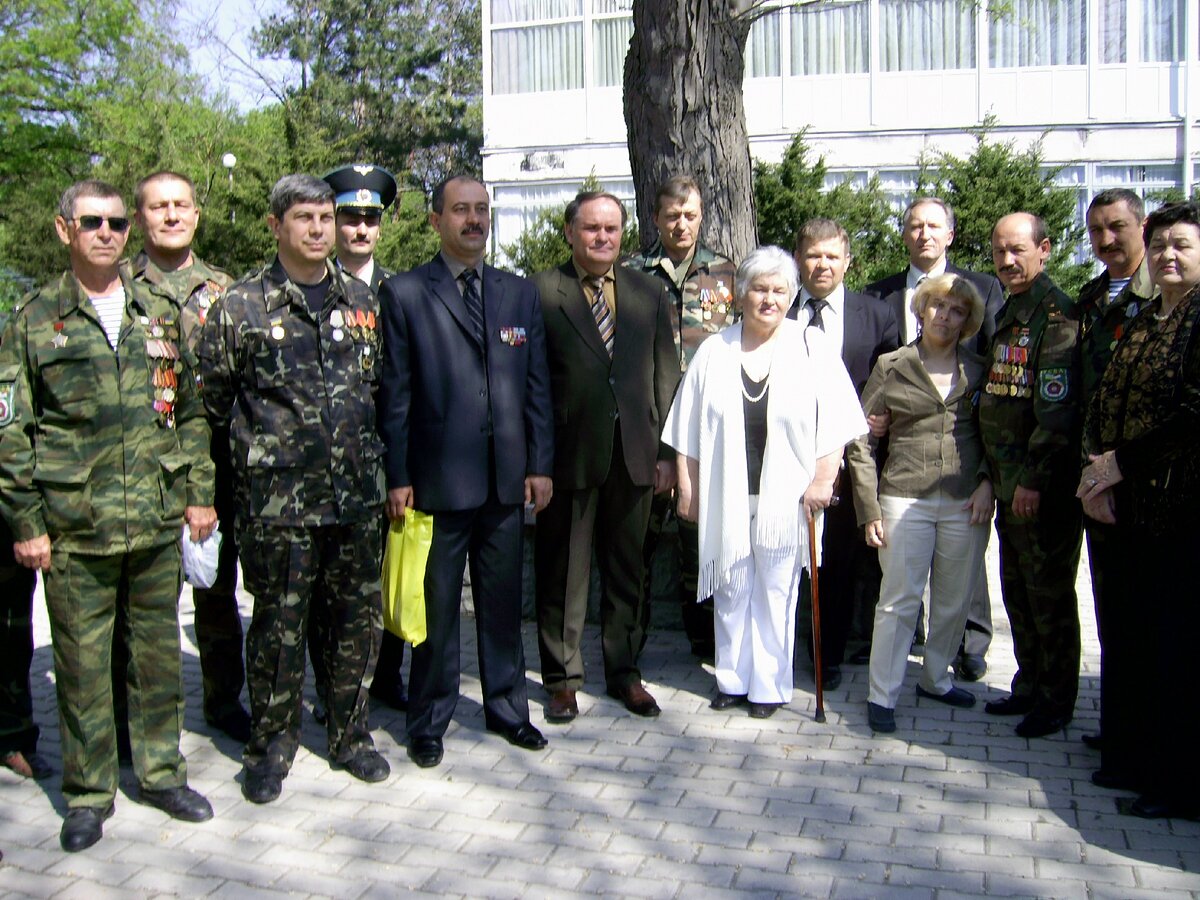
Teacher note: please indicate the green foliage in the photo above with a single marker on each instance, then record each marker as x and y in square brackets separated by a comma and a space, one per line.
[407, 240]
[997, 179]
[788, 194]
[543, 246]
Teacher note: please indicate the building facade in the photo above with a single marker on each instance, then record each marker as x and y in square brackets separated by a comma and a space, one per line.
[1111, 87]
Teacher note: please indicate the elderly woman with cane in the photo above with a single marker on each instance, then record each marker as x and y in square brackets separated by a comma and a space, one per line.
[1143, 477]
[759, 425]
[929, 509]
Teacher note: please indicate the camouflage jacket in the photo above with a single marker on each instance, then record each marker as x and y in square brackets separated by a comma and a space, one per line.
[1030, 414]
[194, 290]
[99, 450]
[703, 306]
[1103, 322]
[298, 392]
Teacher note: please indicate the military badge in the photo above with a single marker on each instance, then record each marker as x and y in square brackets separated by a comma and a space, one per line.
[6, 403]
[1053, 384]
[513, 335]
[60, 340]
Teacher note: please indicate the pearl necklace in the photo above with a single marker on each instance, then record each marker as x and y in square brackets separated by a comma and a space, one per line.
[765, 384]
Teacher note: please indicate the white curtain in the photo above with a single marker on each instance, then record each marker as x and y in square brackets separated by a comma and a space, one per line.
[1162, 30]
[1112, 31]
[762, 48]
[1040, 33]
[610, 44]
[539, 58]
[534, 10]
[926, 34]
[830, 38]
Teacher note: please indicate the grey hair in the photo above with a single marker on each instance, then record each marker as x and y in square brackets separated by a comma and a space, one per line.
[931, 201]
[89, 188]
[762, 261]
[292, 189]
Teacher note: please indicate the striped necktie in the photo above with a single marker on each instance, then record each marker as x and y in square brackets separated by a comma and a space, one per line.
[474, 302]
[602, 314]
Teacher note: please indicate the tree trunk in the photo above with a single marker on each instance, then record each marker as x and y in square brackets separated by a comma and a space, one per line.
[684, 113]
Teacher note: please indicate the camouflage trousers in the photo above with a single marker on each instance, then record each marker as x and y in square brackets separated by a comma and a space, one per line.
[17, 730]
[289, 571]
[82, 596]
[1038, 563]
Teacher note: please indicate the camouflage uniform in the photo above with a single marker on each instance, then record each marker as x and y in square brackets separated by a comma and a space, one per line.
[218, 624]
[703, 295]
[1030, 420]
[298, 392]
[101, 451]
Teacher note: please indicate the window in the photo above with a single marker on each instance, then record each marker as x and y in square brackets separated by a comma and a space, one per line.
[762, 48]
[926, 34]
[1162, 30]
[830, 38]
[612, 27]
[1112, 30]
[1040, 33]
[547, 56]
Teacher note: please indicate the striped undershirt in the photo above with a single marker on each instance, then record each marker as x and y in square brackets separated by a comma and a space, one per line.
[110, 308]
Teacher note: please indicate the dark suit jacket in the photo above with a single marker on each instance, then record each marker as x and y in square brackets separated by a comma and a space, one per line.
[439, 388]
[891, 290]
[591, 391]
[870, 331]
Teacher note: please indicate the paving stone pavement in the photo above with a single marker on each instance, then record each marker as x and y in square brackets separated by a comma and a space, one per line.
[694, 803]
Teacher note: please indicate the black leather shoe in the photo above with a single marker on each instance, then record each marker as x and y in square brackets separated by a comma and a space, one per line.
[233, 721]
[524, 736]
[1039, 724]
[180, 803]
[832, 679]
[1012, 705]
[1148, 806]
[83, 827]
[1093, 741]
[261, 785]
[366, 765]
[637, 699]
[319, 715]
[1113, 781]
[727, 701]
[426, 752]
[763, 710]
[956, 696]
[881, 719]
[394, 696]
[969, 667]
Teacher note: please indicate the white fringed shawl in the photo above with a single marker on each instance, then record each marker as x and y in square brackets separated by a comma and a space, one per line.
[812, 411]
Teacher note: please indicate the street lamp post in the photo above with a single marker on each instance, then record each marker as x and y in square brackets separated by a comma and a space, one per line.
[229, 161]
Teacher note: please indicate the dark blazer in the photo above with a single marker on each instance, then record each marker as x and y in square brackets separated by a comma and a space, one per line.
[870, 330]
[591, 391]
[441, 391]
[891, 290]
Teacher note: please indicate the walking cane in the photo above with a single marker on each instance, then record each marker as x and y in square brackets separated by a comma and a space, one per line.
[816, 614]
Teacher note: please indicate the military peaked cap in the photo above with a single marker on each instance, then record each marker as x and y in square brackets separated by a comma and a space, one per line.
[361, 186]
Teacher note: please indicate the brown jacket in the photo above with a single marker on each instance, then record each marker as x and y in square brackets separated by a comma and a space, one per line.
[932, 443]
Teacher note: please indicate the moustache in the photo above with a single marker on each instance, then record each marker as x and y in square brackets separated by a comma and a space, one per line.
[474, 229]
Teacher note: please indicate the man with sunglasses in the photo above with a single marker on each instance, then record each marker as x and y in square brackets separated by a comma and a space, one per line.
[103, 457]
[361, 194]
[167, 215]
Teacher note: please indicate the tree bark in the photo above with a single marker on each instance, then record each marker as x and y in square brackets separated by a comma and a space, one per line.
[684, 113]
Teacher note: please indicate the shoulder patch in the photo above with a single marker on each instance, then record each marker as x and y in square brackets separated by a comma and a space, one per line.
[1054, 384]
[6, 403]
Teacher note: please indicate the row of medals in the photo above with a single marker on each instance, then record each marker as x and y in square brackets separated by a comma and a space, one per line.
[708, 305]
[1009, 377]
[356, 321]
[161, 348]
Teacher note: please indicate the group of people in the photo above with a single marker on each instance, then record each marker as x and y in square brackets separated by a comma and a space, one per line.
[778, 416]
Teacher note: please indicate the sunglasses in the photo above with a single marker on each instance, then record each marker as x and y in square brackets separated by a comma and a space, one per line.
[118, 224]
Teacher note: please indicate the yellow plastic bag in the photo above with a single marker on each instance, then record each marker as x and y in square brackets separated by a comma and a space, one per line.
[404, 559]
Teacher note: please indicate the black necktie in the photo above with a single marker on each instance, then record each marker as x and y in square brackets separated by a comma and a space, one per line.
[474, 303]
[816, 306]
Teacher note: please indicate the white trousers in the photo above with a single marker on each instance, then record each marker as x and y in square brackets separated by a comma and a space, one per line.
[755, 619]
[928, 539]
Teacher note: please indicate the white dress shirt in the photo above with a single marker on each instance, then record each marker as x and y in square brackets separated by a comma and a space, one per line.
[910, 327]
[833, 316]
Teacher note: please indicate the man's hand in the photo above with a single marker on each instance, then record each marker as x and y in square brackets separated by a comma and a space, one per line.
[879, 424]
[33, 553]
[1026, 502]
[201, 520]
[538, 491]
[399, 499]
[664, 476]
[874, 534]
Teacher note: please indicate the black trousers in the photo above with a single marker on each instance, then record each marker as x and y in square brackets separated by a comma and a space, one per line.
[17, 730]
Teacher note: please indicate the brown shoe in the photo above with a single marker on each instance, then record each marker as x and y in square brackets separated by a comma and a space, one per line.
[636, 699]
[562, 706]
[27, 765]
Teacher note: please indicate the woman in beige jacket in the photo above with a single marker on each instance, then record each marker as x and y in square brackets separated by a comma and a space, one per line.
[928, 510]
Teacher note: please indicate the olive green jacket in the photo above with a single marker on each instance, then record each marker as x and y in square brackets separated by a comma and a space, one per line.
[194, 290]
[1030, 414]
[100, 450]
